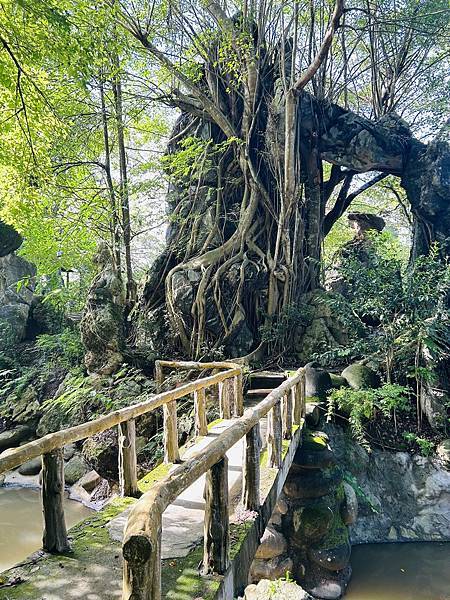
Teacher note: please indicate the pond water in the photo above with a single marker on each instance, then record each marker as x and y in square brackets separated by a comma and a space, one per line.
[21, 523]
[413, 571]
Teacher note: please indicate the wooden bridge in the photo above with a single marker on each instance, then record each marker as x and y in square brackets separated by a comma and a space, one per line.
[280, 413]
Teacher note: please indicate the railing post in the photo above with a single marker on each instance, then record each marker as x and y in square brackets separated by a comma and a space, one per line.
[251, 471]
[201, 423]
[225, 398]
[54, 539]
[216, 525]
[171, 452]
[127, 459]
[287, 415]
[298, 410]
[142, 564]
[238, 395]
[274, 436]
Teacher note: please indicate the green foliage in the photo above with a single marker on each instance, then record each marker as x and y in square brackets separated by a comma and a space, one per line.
[362, 405]
[425, 446]
[64, 349]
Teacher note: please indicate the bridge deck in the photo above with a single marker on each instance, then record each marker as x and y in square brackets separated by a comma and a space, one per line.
[94, 570]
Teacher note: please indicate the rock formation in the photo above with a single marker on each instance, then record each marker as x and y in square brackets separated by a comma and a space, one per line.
[102, 325]
[17, 283]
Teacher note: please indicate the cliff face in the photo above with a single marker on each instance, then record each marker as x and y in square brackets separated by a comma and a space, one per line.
[401, 497]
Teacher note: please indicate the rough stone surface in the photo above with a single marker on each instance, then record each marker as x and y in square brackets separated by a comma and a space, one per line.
[317, 382]
[10, 239]
[15, 298]
[75, 469]
[332, 559]
[101, 451]
[360, 376]
[443, 452]
[89, 481]
[312, 414]
[410, 494]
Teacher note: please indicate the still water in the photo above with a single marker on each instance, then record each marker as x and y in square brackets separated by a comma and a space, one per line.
[21, 523]
[400, 572]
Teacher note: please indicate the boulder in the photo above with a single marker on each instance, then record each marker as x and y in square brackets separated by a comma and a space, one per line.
[101, 451]
[75, 469]
[312, 414]
[12, 437]
[272, 544]
[31, 467]
[310, 523]
[313, 483]
[338, 381]
[443, 452]
[360, 377]
[332, 559]
[317, 382]
[89, 481]
[275, 568]
[349, 506]
[315, 453]
[69, 451]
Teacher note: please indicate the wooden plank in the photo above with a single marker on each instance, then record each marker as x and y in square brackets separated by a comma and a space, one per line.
[55, 533]
[14, 457]
[127, 460]
[189, 364]
[287, 415]
[297, 399]
[251, 469]
[171, 451]
[216, 546]
[201, 422]
[274, 436]
[238, 393]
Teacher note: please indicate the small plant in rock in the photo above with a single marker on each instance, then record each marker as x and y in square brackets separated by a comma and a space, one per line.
[426, 447]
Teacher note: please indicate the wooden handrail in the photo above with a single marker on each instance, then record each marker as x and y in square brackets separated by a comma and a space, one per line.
[50, 447]
[14, 457]
[142, 540]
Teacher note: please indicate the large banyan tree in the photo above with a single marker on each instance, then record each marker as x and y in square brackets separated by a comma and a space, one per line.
[282, 104]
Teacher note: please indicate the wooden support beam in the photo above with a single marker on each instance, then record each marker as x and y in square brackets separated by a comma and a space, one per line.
[226, 390]
[216, 526]
[201, 422]
[142, 565]
[127, 460]
[171, 452]
[252, 469]
[238, 394]
[274, 436]
[287, 415]
[54, 539]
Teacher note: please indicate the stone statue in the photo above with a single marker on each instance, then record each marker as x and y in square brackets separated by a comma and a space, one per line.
[102, 325]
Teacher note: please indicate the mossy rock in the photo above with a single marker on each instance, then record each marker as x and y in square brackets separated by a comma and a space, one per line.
[337, 381]
[333, 551]
[311, 523]
[360, 377]
[101, 451]
[75, 468]
[313, 483]
[315, 452]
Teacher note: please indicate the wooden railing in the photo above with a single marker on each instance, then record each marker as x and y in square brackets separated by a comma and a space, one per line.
[50, 447]
[284, 407]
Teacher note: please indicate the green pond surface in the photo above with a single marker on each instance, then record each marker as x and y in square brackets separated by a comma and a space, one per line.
[21, 523]
[412, 571]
